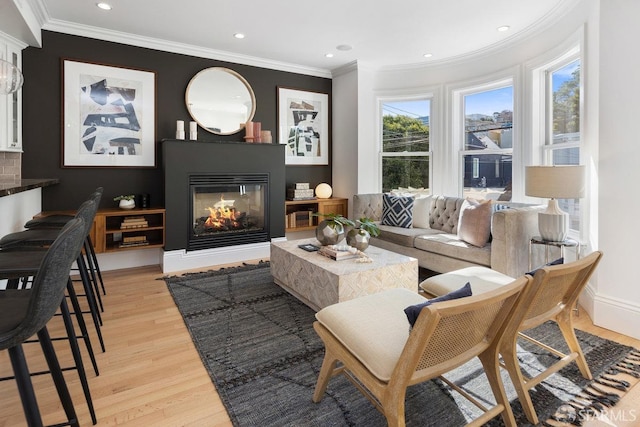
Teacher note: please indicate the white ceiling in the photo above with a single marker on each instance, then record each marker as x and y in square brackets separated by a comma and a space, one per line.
[381, 33]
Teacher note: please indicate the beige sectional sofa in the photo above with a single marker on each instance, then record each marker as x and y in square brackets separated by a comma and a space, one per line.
[440, 249]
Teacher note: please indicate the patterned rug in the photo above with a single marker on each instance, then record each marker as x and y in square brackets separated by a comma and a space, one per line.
[258, 344]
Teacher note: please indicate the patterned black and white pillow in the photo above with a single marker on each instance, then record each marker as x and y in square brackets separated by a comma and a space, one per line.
[397, 210]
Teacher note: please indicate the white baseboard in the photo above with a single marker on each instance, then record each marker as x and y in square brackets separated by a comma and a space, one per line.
[182, 260]
[129, 259]
[612, 313]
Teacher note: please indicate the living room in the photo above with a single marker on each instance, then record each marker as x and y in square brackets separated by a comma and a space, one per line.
[602, 29]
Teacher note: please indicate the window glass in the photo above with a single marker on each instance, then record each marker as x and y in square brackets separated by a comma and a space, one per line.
[563, 147]
[405, 144]
[488, 144]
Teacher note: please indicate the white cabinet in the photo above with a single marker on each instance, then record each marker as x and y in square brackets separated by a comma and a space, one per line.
[11, 105]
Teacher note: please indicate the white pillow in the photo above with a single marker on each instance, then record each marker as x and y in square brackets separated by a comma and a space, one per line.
[421, 209]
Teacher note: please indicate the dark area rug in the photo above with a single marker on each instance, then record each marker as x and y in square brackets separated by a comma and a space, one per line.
[258, 344]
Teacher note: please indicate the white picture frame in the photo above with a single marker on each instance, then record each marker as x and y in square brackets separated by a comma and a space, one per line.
[303, 126]
[108, 116]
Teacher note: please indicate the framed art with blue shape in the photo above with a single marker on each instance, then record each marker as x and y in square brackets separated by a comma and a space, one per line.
[108, 116]
[303, 126]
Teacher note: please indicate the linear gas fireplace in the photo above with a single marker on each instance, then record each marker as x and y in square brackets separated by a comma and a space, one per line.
[228, 209]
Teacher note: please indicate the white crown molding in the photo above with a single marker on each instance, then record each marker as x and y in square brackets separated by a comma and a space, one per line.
[344, 69]
[536, 28]
[180, 48]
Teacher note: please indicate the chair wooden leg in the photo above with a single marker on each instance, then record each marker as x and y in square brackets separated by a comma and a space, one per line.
[25, 386]
[326, 372]
[510, 358]
[492, 370]
[569, 334]
[393, 408]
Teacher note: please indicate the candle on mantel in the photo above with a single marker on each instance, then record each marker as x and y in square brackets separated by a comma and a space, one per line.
[248, 127]
[193, 127]
[180, 129]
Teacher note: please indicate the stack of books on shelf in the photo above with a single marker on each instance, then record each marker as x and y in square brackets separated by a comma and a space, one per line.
[134, 222]
[131, 241]
[299, 219]
[300, 191]
[336, 254]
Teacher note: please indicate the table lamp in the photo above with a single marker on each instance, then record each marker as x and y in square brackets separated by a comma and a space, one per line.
[554, 182]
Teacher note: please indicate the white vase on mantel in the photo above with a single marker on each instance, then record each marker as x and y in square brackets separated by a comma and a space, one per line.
[127, 204]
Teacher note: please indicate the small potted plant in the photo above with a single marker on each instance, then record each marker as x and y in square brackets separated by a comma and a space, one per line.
[126, 202]
[331, 229]
[359, 236]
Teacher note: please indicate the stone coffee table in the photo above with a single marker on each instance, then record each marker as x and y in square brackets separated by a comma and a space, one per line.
[319, 281]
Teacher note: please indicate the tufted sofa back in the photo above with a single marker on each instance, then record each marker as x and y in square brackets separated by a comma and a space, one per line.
[444, 213]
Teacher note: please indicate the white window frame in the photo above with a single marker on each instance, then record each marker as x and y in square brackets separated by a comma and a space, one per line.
[458, 123]
[416, 96]
[542, 121]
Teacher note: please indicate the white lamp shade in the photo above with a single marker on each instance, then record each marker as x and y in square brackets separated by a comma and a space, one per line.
[323, 191]
[555, 182]
[10, 78]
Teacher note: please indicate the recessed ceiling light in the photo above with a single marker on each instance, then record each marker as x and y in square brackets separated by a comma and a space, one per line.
[428, 55]
[328, 55]
[343, 47]
[104, 6]
[238, 35]
[503, 28]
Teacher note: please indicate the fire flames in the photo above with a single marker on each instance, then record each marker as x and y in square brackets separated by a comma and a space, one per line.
[223, 216]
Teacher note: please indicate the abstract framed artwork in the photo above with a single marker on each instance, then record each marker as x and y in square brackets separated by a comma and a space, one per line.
[303, 126]
[108, 116]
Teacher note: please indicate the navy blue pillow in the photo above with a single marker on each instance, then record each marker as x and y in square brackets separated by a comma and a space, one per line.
[397, 211]
[413, 311]
[554, 262]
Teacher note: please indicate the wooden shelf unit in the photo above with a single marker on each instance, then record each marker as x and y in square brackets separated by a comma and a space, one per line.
[335, 205]
[107, 236]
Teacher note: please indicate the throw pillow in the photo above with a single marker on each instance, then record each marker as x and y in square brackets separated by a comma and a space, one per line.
[554, 262]
[474, 225]
[413, 311]
[421, 209]
[397, 211]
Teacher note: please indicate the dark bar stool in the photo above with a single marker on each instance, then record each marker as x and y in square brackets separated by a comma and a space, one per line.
[28, 239]
[25, 312]
[57, 221]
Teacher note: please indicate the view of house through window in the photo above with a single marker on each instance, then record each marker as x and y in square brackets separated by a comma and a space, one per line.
[488, 144]
[405, 144]
[563, 129]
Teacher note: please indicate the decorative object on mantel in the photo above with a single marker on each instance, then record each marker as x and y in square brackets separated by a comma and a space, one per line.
[265, 136]
[223, 90]
[126, 202]
[361, 234]
[10, 78]
[180, 129]
[331, 229]
[193, 131]
[257, 132]
[554, 182]
[323, 191]
[248, 129]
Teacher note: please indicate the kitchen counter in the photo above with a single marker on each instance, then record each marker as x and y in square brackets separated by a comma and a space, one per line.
[9, 188]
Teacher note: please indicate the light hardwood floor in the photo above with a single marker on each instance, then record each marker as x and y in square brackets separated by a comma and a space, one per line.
[151, 373]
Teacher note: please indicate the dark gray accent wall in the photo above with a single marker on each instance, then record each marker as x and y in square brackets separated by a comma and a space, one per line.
[42, 115]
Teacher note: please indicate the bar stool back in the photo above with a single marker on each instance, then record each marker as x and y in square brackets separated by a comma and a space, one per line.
[26, 312]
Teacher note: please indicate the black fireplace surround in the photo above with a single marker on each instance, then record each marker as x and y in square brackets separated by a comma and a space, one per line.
[237, 169]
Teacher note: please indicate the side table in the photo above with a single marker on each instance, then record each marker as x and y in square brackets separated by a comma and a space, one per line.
[567, 243]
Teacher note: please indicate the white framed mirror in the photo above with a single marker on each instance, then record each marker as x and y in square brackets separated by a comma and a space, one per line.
[220, 100]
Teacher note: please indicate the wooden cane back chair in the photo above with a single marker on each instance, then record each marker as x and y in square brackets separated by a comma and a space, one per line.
[552, 296]
[446, 335]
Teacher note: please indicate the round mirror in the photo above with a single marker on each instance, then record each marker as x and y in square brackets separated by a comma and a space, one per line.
[220, 100]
